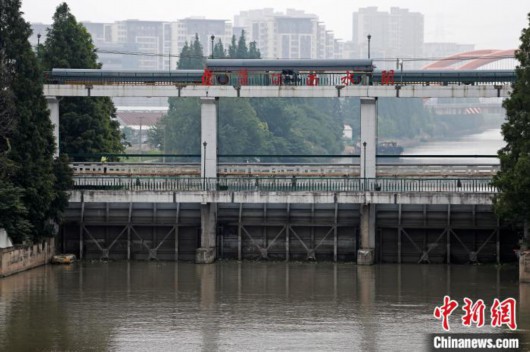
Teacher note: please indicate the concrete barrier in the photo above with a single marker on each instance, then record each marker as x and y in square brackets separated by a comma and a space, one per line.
[17, 259]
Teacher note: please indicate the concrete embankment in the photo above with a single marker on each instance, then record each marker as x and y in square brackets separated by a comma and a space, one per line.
[17, 259]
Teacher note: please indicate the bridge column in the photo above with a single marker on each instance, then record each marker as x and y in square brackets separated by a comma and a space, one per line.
[209, 107]
[206, 254]
[53, 106]
[366, 252]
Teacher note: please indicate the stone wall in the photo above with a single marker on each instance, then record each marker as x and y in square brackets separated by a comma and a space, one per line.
[17, 259]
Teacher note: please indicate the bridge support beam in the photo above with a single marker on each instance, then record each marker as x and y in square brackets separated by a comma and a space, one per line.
[209, 108]
[207, 254]
[53, 106]
[366, 252]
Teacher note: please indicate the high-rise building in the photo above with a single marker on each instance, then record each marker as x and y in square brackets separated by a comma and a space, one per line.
[185, 30]
[151, 38]
[395, 34]
[290, 35]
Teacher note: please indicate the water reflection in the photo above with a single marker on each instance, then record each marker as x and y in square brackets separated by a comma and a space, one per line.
[232, 306]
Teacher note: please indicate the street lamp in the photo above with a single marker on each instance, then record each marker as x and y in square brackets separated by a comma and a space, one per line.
[369, 38]
[204, 144]
[212, 38]
[38, 44]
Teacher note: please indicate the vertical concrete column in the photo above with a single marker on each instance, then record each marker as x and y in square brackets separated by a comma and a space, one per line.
[206, 254]
[209, 108]
[366, 254]
[53, 106]
[368, 136]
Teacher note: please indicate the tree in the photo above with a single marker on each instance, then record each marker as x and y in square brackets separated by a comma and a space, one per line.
[219, 51]
[191, 56]
[253, 51]
[232, 48]
[184, 57]
[242, 49]
[86, 124]
[29, 186]
[513, 180]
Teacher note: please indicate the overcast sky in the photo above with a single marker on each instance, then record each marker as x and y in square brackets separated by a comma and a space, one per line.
[487, 23]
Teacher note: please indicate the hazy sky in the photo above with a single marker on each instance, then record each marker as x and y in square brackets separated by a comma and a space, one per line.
[486, 23]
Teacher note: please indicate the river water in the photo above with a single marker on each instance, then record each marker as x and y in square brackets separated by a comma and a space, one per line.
[487, 142]
[243, 306]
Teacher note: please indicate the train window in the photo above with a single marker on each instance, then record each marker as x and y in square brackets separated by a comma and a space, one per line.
[222, 79]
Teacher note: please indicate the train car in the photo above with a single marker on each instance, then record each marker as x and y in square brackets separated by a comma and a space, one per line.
[280, 72]
[96, 76]
[446, 77]
[302, 65]
[306, 72]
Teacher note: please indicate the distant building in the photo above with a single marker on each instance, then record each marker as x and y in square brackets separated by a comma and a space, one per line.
[150, 37]
[395, 34]
[184, 31]
[347, 132]
[290, 35]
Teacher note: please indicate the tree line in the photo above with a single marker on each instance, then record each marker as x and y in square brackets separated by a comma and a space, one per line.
[33, 184]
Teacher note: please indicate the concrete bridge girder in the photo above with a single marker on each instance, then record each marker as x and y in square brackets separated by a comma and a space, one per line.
[412, 91]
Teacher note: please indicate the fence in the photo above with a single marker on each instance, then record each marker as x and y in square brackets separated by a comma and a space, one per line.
[285, 184]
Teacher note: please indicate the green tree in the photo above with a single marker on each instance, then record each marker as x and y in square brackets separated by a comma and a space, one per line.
[232, 48]
[29, 185]
[87, 125]
[219, 51]
[185, 57]
[253, 51]
[513, 179]
[242, 49]
[191, 56]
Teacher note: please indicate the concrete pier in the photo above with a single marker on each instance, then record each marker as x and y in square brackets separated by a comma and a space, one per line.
[209, 108]
[206, 253]
[365, 254]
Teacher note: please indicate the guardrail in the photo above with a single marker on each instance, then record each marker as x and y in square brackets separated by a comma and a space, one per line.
[284, 169]
[285, 184]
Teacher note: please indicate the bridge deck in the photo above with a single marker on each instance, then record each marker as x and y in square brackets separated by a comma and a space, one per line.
[283, 190]
[410, 91]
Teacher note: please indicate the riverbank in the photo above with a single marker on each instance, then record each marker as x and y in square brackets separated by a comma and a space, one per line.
[16, 259]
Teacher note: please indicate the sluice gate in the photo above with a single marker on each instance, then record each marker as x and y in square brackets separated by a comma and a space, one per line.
[404, 233]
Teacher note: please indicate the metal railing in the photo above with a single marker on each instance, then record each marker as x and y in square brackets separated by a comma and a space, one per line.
[189, 169]
[285, 184]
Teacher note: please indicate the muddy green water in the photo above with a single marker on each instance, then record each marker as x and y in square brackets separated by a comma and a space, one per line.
[249, 306]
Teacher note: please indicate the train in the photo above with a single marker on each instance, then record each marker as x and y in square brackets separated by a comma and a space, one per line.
[309, 72]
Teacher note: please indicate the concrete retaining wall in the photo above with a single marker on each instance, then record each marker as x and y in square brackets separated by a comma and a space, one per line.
[17, 259]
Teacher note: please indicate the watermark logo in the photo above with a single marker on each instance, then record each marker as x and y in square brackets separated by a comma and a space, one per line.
[501, 313]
